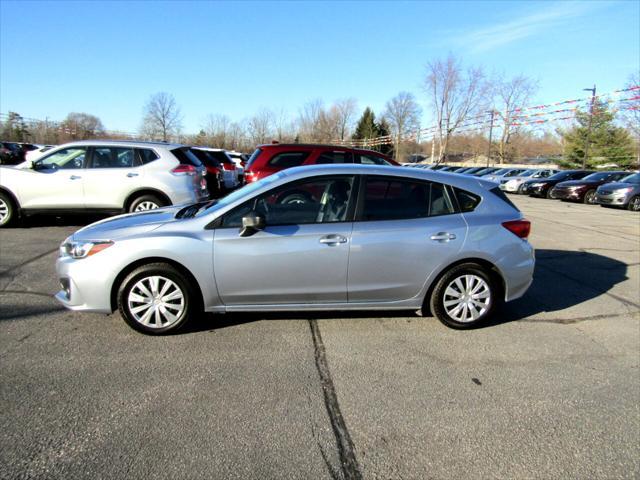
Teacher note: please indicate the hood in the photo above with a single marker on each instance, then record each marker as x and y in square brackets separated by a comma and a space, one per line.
[578, 183]
[121, 226]
[618, 185]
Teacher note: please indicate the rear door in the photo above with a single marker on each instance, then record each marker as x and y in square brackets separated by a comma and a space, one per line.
[404, 230]
[112, 173]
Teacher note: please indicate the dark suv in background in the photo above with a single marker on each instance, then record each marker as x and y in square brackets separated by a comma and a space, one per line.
[543, 187]
[584, 189]
[270, 159]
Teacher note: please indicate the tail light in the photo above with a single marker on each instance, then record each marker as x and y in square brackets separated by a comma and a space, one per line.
[520, 228]
[228, 166]
[184, 169]
[213, 171]
[250, 176]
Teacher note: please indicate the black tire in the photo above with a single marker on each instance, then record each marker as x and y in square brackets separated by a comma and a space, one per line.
[182, 309]
[634, 204]
[146, 202]
[8, 210]
[590, 197]
[549, 195]
[520, 189]
[439, 295]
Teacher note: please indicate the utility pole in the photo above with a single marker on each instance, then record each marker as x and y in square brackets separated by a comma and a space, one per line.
[588, 140]
[492, 112]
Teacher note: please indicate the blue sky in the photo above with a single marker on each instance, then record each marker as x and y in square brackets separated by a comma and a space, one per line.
[107, 58]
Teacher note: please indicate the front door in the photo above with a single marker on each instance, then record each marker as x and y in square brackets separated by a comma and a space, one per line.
[301, 255]
[57, 181]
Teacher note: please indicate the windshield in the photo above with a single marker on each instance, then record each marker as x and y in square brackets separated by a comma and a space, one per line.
[596, 177]
[633, 178]
[245, 191]
[561, 175]
[527, 173]
[500, 172]
[512, 173]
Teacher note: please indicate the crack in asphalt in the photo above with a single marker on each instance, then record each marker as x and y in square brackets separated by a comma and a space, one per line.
[346, 449]
[26, 262]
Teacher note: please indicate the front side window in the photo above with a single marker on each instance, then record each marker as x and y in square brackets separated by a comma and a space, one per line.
[67, 158]
[319, 200]
[113, 157]
[394, 199]
[333, 157]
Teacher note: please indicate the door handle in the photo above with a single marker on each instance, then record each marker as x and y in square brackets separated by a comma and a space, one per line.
[333, 240]
[75, 177]
[130, 175]
[443, 237]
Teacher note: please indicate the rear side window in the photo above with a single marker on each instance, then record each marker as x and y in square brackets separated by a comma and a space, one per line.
[112, 157]
[206, 158]
[146, 156]
[467, 200]
[333, 157]
[288, 159]
[185, 157]
[390, 199]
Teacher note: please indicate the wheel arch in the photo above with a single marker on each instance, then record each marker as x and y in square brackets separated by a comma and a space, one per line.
[145, 191]
[148, 260]
[485, 264]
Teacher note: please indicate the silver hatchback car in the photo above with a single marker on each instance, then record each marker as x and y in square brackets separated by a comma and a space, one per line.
[325, 237]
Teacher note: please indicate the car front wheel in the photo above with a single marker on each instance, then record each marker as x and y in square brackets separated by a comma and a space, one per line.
[156, 299]
[464, 297]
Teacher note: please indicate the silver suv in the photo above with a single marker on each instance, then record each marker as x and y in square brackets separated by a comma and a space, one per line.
[102, 176]
[325, 237]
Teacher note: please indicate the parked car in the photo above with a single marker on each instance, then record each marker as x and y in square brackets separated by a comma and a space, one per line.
[11, 153]
[503, 173]
[543, 187]
[624, 193]
[102, 176]
[485, 171]
[449, 244]
[584, 189]
[240, 160]
[231, 177]
[269, 159]
[215, 173]
[515, 184]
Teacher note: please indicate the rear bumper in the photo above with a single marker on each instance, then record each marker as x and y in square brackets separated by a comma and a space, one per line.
[517, 271]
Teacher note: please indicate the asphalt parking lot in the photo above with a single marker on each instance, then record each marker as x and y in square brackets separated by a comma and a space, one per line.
[549, 390]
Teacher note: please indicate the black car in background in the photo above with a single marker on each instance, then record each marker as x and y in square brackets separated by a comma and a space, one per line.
[543, 187]
[11, 153]
[584, 190]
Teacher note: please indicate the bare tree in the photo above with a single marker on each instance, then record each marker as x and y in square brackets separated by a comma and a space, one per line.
[162, 117]
[455, 96]
[344, 112]
[260, 126]
[403, 114]
[216, 128]
[82, 126]
[511, 95]
[309, 120]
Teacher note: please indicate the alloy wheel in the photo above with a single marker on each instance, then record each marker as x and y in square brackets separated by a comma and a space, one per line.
[156, 302]
[590, 198]
[4, 211]
[634, 205]
[146, 205]
[467, 298]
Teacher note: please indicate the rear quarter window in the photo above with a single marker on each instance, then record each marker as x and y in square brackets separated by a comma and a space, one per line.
[146, 156]
[467, 201]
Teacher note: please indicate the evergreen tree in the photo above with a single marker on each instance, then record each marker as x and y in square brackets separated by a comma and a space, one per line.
[366, 127]
[14, 128]
[384, 129]
[608, 143]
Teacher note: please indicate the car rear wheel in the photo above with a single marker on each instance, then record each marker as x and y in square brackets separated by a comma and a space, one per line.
[7, 210]
[634, 204]
[590, 197]
[156, 299]
[146, 202]
[464, 297]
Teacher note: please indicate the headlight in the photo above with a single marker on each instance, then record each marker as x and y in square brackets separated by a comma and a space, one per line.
[73, 249]
[623, 190]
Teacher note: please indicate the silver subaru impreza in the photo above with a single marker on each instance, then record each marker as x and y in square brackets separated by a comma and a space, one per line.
[326, 237]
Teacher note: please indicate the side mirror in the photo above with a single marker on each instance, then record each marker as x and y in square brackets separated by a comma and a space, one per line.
[251, 224]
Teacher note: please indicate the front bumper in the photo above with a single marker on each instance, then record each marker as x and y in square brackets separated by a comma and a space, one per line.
[537, 191]
[617, 199]
[85, 284]
[510, 187]
[568, 194]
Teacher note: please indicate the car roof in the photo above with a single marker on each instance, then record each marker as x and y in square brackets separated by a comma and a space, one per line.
[317, 145]
[130, 143]
[387, 170]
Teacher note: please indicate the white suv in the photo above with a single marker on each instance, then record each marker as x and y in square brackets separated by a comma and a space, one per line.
[102, 176]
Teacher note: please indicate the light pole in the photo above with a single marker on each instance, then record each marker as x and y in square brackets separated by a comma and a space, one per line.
[588, 139]
[492, 112]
